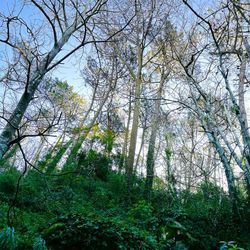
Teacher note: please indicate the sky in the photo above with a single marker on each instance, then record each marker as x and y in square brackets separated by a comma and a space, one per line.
[69, 71]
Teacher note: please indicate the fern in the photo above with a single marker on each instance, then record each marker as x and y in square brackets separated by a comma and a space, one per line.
[8, 239]
[39, 244]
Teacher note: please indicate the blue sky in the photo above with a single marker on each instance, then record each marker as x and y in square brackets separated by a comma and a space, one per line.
[70, 70]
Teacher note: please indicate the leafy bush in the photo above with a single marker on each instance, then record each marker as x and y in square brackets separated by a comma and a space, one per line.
[142, 215]
[105, 220]
[8, 182]
[94, 163]
[77, 232]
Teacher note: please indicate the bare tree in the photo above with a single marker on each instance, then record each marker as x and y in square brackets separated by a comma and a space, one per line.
[67, 23]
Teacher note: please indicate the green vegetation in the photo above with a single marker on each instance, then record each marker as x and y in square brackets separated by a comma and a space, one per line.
[89, 209]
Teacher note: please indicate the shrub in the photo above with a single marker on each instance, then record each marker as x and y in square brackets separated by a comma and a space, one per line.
[77, 232]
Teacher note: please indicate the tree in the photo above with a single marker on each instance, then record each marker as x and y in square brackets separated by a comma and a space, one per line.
[64, 22]
[152, 139]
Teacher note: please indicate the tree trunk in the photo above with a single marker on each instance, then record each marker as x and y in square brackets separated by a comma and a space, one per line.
[241, 90]
[12, 126]
[135, 123]
[228, 171]
[151, 148]
[124, 160]
[140, 150]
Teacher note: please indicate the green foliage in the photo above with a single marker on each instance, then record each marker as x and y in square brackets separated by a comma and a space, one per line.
[58, 156]
[107, 139]
[8, 182]
[142, 215]
[43, 163]
[94, 163]
[207, 212]
[70, 163]
[231, 245]
[8, 239]
[89, 209]
[117, 184]
[235, 109]
[78, 130]
[39, 244]
[76, 232]
[168, 153]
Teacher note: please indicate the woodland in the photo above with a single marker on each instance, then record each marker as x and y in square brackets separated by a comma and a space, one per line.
[124, 124]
